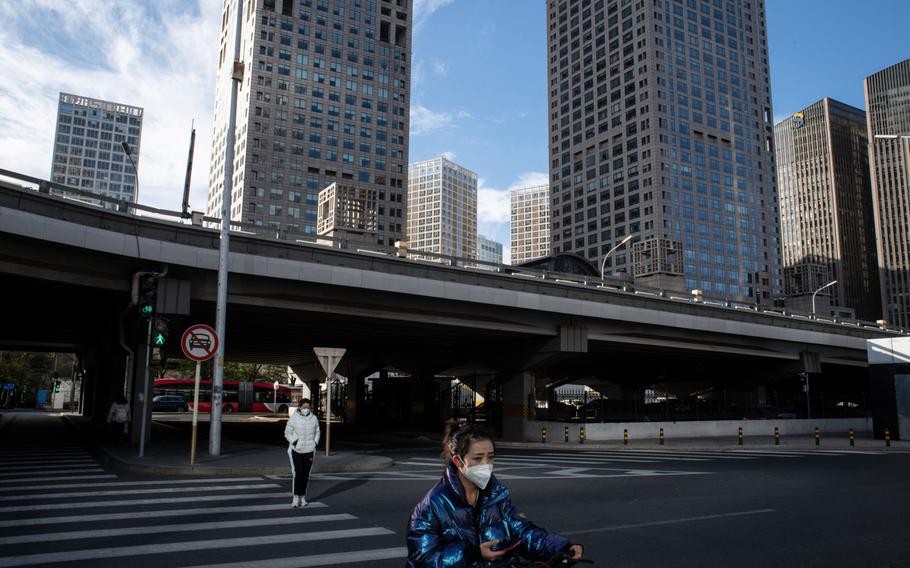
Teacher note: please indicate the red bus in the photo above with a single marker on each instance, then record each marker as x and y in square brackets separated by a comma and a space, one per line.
[239, 396]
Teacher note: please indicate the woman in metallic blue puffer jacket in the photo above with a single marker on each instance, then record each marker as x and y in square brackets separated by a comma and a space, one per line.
[467, 520]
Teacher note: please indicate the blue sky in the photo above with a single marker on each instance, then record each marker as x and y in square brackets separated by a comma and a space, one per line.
[478, 85]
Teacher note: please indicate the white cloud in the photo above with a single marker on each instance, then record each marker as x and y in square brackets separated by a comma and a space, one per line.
[441, 68]
[531, 179]
[493, 205]
[449, 156]
[160, 56]
[424, 120]
[423, 9]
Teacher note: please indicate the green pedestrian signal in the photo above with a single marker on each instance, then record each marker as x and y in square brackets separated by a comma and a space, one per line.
[159, 332]
[56, 386]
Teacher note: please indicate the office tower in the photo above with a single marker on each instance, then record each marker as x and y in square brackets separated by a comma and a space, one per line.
[88, 146]
[660, 127]
[324, 99]
[442, 208]
[489, 250]
[888, 129]
[826, 210]
[530, 223]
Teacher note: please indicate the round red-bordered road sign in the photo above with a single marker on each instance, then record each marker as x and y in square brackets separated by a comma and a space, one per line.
[199, 342]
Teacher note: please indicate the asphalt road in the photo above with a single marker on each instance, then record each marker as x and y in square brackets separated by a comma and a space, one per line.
[58, 507]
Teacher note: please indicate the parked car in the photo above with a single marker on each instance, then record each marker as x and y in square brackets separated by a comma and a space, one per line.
[169, 403]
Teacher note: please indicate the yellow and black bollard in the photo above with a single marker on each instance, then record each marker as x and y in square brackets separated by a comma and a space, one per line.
[739, 435]
[850, 433]
[776, 436]
[661, 436]
[543, 435]
[625, 436]
[567, 434]
[818, 435]
[581, 435]
[887, 437]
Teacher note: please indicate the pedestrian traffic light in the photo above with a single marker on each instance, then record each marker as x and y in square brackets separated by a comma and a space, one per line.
[148, 294]
[159, 332]
[56, 382]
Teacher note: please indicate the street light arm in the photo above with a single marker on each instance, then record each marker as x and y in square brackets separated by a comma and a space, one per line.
[832, 283]
[603, 265]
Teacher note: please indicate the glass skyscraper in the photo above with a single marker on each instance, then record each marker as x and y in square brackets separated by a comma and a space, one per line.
[88, 151]
[324, 98]
[530, 223]
[442, 208]
[660, 126]
[827, 231]
[888, 122]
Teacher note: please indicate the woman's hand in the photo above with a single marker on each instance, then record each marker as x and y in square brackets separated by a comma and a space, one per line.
[487, 552]
[577, 551]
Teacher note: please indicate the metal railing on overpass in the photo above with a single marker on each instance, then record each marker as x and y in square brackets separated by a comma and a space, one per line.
[612, 284]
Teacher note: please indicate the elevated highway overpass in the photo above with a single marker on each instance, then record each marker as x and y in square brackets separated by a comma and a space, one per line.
[67, 269]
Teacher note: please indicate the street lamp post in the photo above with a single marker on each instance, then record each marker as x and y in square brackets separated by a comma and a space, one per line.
[832, 283]
[603, 265]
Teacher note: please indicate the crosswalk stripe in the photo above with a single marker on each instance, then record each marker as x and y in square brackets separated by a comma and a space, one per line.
[128, 483]
[96, 469]
[626, 457]
[28, 455]
[55, 478]
[54, 462]
[330, 559]
[173, 547]
[158, 490]
[183, 527]
[259, 507]
[670, 456]
[41, 467]
[134, 502]
[549, 462]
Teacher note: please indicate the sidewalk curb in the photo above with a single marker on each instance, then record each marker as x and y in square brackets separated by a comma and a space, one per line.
[670, 447]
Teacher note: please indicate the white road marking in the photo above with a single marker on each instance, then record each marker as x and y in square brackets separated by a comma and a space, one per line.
[127, 483]
[183, 527]
[175, 547]
[57, 477]
[95, 469]
[259, 507]
[333, 558]
[668, 522]
[156, 501]
[158, 491]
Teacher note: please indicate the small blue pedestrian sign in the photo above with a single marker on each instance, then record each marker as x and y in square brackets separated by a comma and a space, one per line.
[9, 386]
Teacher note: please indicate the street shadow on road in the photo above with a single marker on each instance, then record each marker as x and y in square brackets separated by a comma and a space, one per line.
[340, 488]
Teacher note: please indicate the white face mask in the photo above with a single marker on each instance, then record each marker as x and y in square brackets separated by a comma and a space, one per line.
[305, 411]
[479, 475]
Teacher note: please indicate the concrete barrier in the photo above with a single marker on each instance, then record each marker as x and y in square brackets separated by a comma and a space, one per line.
[613, 431]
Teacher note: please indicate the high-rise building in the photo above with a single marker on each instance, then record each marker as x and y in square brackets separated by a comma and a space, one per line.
[88, 146]
[324, 99]
[530, 223]
[442, 208]
[489, 250]
[888, 120]
[660, 126]
[826, 209]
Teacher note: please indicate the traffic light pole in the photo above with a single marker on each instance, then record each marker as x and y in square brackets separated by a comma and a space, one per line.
[224, 245]
[145, 389]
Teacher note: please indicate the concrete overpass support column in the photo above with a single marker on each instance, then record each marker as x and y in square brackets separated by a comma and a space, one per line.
[516, 390]
[353, 403]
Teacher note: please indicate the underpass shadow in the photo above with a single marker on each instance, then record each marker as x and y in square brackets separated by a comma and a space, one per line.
[340, 488]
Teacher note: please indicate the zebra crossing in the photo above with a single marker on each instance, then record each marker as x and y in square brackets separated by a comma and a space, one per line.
[60, 507]
[560, 464]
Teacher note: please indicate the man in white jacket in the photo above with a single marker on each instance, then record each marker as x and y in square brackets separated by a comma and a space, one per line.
[302, 433]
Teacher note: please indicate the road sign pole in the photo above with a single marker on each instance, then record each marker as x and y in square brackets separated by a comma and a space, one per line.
[195, 413]
[328, 358]
[328, 413]
[145, 389]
